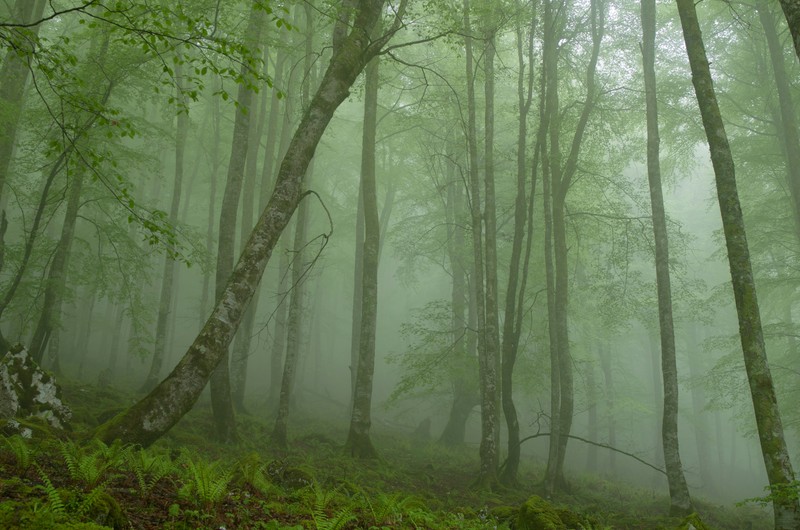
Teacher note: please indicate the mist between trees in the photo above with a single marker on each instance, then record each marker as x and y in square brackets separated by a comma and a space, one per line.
[496, 223]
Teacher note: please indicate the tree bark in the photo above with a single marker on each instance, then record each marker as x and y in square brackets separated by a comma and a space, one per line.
[512, 318]
[680, 502]
[358, 442]
[791, 9]
[765, 404]
[151, 417]
[488, 450]
[221, 399]
[787, 121]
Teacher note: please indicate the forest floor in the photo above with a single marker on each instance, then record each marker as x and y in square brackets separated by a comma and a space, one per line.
[187, 481]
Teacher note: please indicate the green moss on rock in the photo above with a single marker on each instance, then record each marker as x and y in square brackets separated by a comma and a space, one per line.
[538, 514]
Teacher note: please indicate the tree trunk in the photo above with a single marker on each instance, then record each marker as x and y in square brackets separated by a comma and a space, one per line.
[57, 274]
[221, 399]
[514, 292]
[358, 442]
[791, 8]
[241, 345]
[680, 502]
[13, 77]
[212, 201]
[787, 122]
[488, 450]
[358, 268]
[147, 420]
[765, 404]
[168, 276]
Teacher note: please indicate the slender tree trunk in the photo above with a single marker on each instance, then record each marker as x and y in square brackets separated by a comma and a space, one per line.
[168, 276]
[294, 330]
[549, 74]
[786, 118]
[278, 348]
[241, 345]
[765, 403]
[13, 77]
[221, 399]
[658, 405]
[212, 202]
[680, 502]
[155, 414]
[464, 393]
[57, 274]
[358, 442]
[490, 225]
[488, 450]
[358, 268]
[592, 428]
[512, 318]
[611, 414]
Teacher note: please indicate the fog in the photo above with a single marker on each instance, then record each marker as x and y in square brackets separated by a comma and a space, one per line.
[123, 145]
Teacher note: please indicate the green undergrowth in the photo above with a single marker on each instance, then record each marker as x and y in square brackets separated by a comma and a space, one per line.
[187, 481]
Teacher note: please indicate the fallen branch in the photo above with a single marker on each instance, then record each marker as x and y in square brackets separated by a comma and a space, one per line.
[590, 442]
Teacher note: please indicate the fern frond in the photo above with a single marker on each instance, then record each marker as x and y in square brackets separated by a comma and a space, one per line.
[22, 453]
[56, 502]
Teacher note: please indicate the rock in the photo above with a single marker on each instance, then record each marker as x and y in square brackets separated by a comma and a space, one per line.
[28, 391]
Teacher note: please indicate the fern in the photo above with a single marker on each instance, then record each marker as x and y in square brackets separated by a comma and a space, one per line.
[251, 471]
[56, 502]
[90, 500]
[206, 482]
[148, 469]
[22, 453]
[337, 521]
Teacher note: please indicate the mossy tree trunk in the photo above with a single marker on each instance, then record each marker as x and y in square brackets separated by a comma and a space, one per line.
[156, 413]
[765, 404]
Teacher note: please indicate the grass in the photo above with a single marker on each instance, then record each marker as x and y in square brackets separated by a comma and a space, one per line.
[185, 481]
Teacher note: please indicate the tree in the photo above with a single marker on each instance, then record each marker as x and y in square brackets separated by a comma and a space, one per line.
[791, 8]
[680, 502]
[156, 413]
[358, 442]
[770, 428]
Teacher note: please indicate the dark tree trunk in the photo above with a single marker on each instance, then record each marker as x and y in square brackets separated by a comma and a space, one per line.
[150, 418]
[765, 403]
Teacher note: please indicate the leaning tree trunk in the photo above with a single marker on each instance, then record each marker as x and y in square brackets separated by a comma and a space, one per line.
[765, 403]
[358, 442]
[791, 8]
[680, 502]
[155, 414]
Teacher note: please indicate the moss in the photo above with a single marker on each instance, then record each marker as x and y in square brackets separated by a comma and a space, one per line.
[572, 519]
[504, 513]
[538, 514]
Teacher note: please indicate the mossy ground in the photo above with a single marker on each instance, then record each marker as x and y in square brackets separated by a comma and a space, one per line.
[186, 481]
